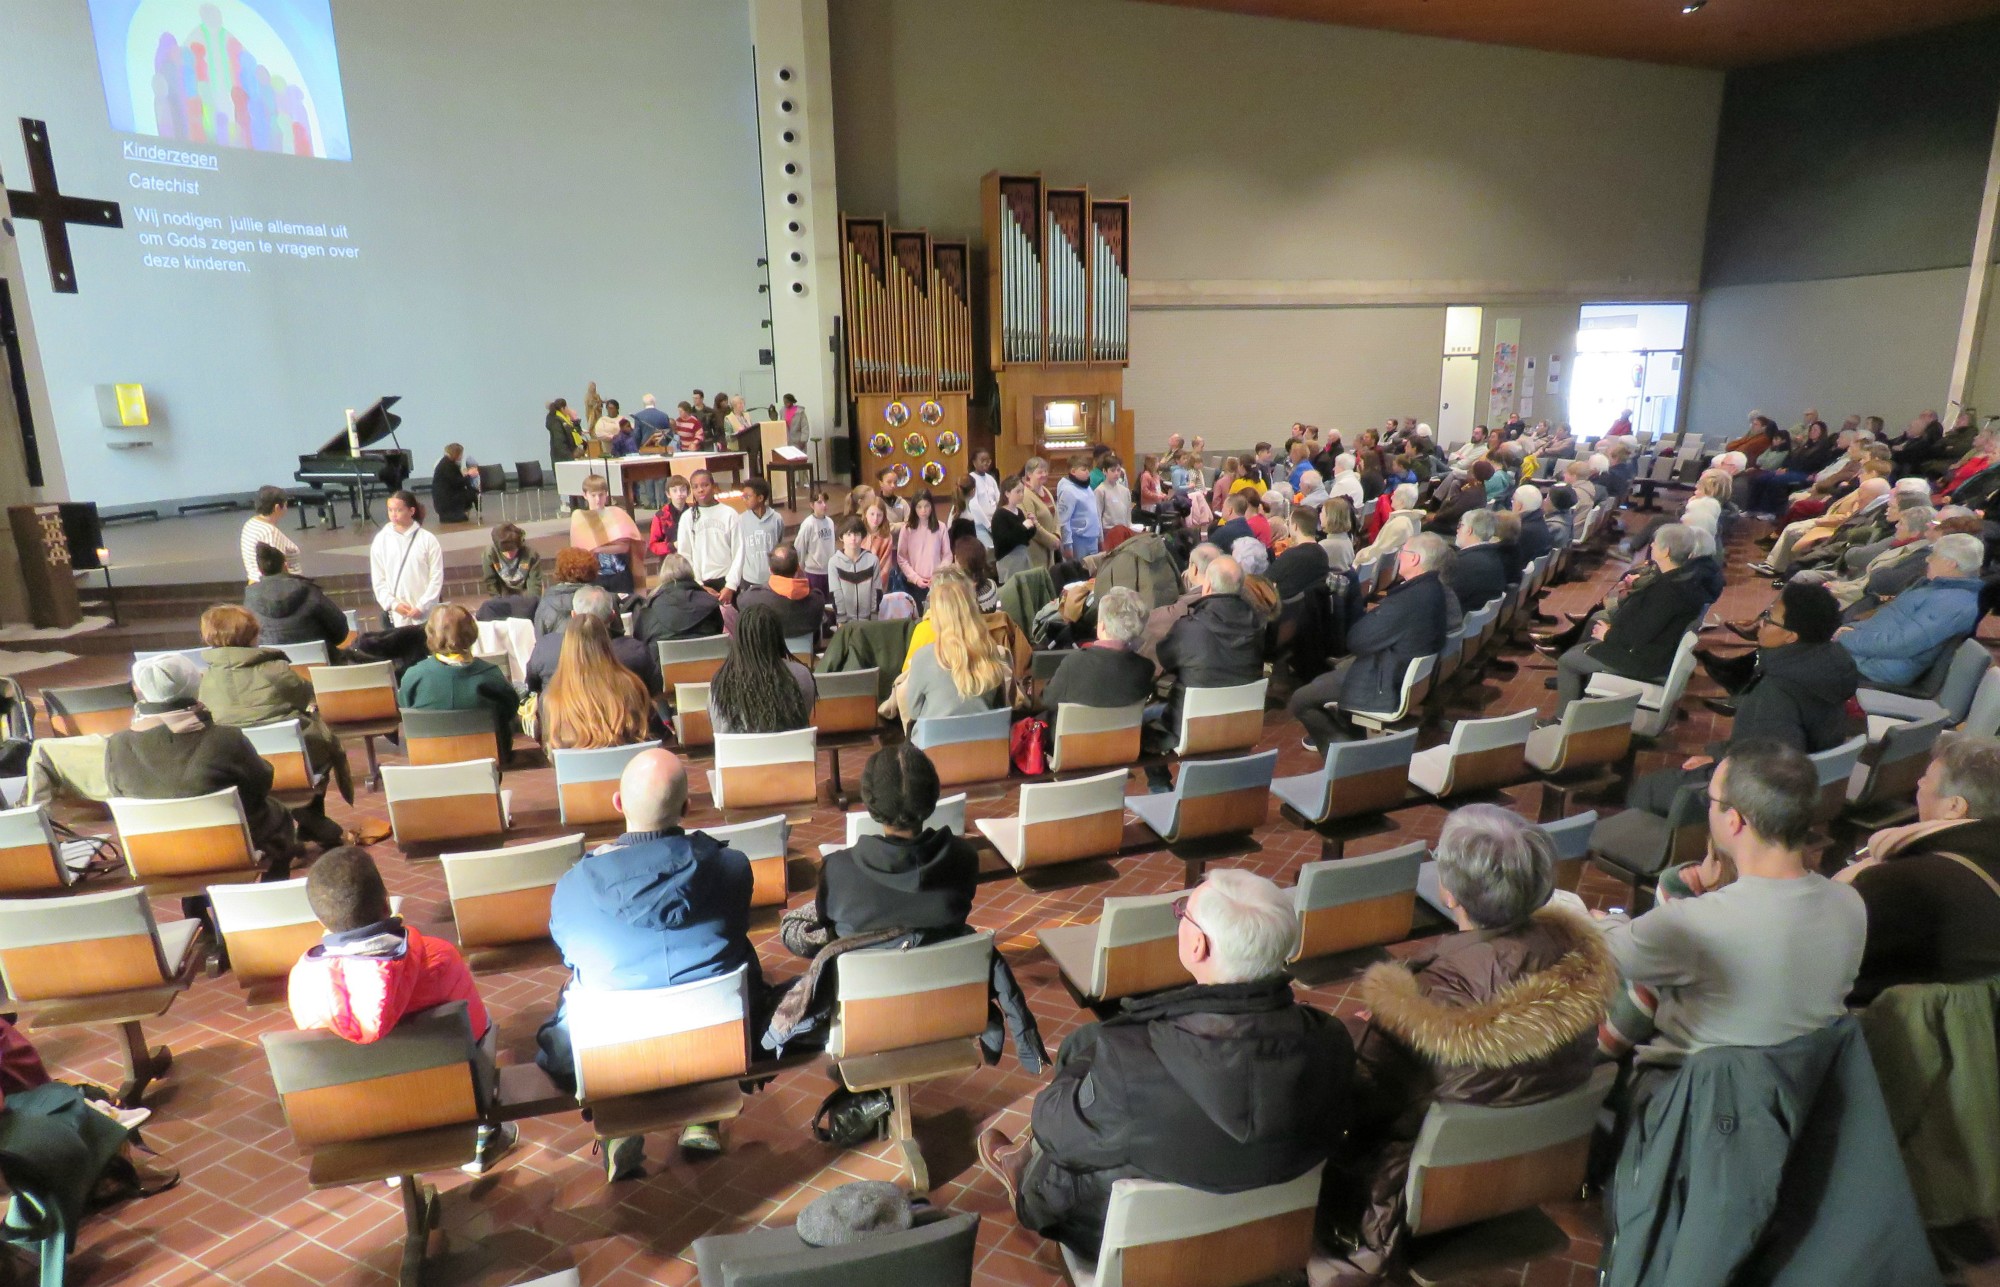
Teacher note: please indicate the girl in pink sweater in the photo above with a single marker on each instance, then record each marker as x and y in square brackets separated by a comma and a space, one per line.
[921, 547]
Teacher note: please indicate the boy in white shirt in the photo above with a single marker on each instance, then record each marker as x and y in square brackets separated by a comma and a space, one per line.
[759, 529]
[707, 534]
[815, 543]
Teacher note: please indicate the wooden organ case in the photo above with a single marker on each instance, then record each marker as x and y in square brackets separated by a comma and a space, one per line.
[1058, 310]
[908, 304]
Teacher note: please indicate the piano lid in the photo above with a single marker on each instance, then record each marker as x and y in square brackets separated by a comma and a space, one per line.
[370, 427]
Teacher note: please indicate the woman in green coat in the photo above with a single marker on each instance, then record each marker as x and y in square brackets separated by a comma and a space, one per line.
[246, 685]
[452, 679]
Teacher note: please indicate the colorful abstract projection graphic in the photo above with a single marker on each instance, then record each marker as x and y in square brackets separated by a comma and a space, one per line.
[262, 75]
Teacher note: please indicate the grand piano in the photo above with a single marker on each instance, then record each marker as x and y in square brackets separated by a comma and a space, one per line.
[368, 474]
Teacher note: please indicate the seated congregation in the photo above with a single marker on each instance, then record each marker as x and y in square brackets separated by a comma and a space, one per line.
[614, 752]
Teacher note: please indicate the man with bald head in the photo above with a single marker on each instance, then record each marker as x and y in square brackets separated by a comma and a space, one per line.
[655, 908]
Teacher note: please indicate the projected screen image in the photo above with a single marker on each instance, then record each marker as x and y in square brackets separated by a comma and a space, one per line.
[260, 75]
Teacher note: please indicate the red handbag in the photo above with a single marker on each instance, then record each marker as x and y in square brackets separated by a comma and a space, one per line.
[1027, 745]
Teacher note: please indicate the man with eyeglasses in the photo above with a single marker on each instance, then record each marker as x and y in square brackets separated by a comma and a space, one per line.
[1224, 1085]
[1769, 955]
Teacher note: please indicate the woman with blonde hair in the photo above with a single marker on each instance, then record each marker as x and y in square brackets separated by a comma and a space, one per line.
[591, 702]
[959, 670]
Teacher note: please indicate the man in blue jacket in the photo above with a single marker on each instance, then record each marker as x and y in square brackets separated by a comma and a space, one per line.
[1899, 643]
[655, 908]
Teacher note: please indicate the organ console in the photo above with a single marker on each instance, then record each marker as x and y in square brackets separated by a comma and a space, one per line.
[1058, 267]
[344, 462]
[907, 301]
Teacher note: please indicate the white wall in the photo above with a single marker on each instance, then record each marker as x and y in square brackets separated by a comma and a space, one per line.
[543, 196]
[1879, 345]
[1325, 190]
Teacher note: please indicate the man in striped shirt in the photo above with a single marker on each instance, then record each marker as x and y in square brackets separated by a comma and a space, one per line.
[263, 529]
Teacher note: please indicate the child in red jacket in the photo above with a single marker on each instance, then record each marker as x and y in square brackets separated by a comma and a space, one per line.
[371, 969]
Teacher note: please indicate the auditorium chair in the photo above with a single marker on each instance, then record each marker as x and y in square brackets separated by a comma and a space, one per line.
[908, 1015]
[937, 1250]
[1835, 766]
[949, 814]
[587, 779]
[966, 748]
[1593, 735]
[1133, 947]
[450, 737]
[95, 708]
[1637, 846]
[1210, 798]
[1214, 720]
[693, 730]
[1096, 737]
[30, 855]
[404, 1106]
[1657, 702]
[1360, 781]
[1482, 754]
[690, 661]
[283, 746]
[758, 770]
[500, 899]
[358, 701]
[845, 715]
[1947, 687]
[1359, 902]
[765, 843]
[1060, 822]
[1410, 697]
[431, 803]
[1883, 789]
[304, 656]
[1042, 667]
[1480, 1174]
[1158, 1233]
[1572, 842]
[178, 847]
[88, 960]
[656, 1059]
[492, 483]
[265, 929]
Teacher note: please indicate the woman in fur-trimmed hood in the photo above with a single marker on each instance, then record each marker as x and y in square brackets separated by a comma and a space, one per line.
[1503, 1013]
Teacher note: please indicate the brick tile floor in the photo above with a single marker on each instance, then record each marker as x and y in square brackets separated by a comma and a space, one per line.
[245, 1214]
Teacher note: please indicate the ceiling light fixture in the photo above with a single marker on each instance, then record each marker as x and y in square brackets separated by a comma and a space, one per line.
[1693, 6]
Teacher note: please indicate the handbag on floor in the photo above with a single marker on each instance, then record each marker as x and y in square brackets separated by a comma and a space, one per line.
[846, 1117]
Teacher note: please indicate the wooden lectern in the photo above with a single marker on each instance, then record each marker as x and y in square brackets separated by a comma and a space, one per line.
[45, 565]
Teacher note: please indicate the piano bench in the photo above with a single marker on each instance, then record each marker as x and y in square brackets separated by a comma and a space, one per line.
[304, 498]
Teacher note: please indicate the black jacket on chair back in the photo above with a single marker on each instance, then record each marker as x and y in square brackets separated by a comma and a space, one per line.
[923, 884]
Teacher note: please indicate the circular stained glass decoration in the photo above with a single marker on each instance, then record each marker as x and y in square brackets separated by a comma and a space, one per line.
[897, 414]
[932, 474]
[880, 444]
[901, 477]
[915, 444]
[930, 411]
[949, 444]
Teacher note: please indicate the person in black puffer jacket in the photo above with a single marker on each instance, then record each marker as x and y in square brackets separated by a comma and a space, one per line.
[1796, 691]
[1224, 1085]
[680, 608]
[1219, 643]
[290, 609]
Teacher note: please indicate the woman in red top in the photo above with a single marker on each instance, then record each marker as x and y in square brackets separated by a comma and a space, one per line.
[1984, 448]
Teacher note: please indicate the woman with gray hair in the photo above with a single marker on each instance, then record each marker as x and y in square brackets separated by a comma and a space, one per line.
[1640, 639]
[1109, 672]
[1504, 1012]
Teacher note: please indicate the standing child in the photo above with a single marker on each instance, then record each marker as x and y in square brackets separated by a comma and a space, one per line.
[1077, 519]
[816, 543]
[687, 428]
[881, 537]
[856, 575]
[759, 529]
[667, 521]
[985, 495]
[1114, 496]
[885, 485]
[922, 547]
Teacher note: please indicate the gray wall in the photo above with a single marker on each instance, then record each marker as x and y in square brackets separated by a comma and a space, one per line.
[1307, 198]
[1840, 230]
[543, 196]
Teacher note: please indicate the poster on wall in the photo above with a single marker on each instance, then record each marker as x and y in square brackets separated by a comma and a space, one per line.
[1506, 369]
[1555, 371]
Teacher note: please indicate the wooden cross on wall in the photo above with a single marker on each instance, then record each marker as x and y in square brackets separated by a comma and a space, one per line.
[54, 209]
